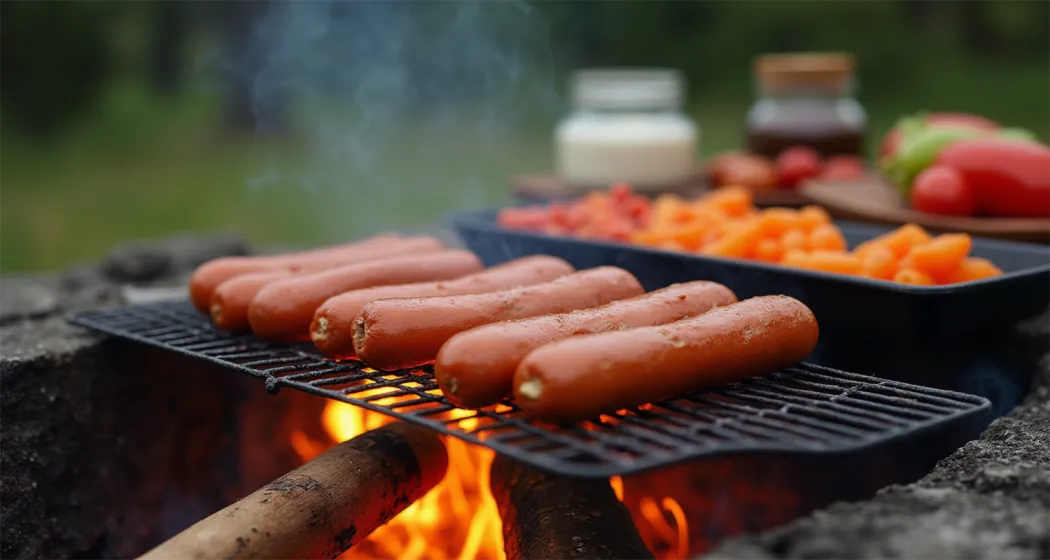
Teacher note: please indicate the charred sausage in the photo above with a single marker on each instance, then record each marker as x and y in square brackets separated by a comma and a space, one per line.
[476, 368]
[332, 329]
[282, 310]
[397, 333]
[581, 377]
[211, 274]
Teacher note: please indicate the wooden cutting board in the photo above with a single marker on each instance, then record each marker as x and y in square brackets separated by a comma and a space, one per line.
[872, 199]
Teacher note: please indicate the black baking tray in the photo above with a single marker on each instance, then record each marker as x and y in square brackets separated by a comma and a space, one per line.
[843, 305]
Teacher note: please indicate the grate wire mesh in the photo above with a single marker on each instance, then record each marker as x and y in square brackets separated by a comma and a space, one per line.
[804, 409]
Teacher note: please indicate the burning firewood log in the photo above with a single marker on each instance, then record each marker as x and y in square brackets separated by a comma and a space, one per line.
[325, 506]
[550, 516]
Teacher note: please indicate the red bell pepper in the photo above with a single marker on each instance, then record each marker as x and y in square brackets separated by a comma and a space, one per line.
[892, 140]
[1008, 178]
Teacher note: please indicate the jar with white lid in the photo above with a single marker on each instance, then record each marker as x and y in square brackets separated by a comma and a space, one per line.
[627, 125]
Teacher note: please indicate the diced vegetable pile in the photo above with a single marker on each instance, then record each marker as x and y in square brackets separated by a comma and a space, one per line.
[725, 223]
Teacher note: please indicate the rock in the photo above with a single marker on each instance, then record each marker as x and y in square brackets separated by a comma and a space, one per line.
[989, 499]
[144, 262]
[138, 263]
[24, 297]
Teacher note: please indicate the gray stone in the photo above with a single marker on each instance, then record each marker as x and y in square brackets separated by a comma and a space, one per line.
[989, 499]
[23, 297]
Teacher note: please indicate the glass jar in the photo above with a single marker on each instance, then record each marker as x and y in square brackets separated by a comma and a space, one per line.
[627, 125]
[806, 99]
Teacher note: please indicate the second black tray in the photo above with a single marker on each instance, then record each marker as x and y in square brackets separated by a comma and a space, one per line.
[844, 305]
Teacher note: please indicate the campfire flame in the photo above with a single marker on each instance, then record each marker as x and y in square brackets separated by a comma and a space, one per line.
[459, 518]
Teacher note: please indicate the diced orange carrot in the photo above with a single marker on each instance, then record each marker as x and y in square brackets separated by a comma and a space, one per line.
[941, 256]
[973, 268]
[826, 261]
[794, 240]
[691, 236]
[775, 221]
[879, 263]
[900, 240]
[913, 277]
[737, 242]
[666, 209]
[651, 236]
[810, 217]
[734, 201]
[768, 250]
[673, 245]
[827, 237]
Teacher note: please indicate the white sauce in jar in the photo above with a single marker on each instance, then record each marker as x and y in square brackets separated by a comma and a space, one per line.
[627, 127]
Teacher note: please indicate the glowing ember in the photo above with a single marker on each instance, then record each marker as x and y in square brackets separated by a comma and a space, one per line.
[459, 518]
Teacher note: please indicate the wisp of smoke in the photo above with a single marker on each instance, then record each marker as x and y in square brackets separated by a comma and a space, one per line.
[401, 105]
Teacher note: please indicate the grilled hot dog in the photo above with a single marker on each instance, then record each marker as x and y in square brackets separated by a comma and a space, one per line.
[396, 333]
[582, 377]
[230, 301]
[282, 310]
[211, 274]
[332, 329]
[476, 368]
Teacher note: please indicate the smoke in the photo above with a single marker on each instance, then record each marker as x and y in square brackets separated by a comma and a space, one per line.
[403, 110]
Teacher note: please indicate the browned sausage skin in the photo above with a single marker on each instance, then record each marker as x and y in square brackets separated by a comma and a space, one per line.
[476, 368]
[211, 274]
[397, 333]
[581, 377]
[282, 310]
[230, 301]
[332, 329]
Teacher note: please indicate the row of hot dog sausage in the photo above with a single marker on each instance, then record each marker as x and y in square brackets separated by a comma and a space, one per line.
[567, 345]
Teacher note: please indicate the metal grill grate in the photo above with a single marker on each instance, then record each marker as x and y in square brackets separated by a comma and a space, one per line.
[808, 409]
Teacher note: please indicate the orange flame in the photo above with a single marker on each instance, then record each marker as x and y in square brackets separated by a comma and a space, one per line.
[459, 518]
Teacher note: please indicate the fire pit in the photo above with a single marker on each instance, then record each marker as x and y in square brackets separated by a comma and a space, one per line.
[110, 448]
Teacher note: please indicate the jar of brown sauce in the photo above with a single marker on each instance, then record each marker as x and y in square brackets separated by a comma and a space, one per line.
[806, 99]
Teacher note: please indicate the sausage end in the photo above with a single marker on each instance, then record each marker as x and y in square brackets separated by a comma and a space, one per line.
[320, 330]
[360, 331]
[531, 388]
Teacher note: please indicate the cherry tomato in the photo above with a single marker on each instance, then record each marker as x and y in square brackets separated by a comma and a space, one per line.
[843, 168]
[942, 190]
[796, 165]
[743, 170]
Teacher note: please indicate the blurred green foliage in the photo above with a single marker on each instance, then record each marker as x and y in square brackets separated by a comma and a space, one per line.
[95, 152]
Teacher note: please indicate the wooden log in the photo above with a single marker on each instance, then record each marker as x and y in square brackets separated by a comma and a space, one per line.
[323, 507]
[549, 516]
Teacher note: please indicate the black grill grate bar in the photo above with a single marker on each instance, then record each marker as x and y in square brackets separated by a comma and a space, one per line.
[314, 374]
[341, 380]
[869, 411]
[274, 361]
[806, 409]
[242, 354]
[812, 436]
[937, 396]
[803, 428]
[869, 391]
[849, 409]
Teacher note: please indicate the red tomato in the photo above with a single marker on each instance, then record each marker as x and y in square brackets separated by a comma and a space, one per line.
[523, 218]
[843, 168]
[892, 140]
[940, 189]
[796, 165]
[1008, 178]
